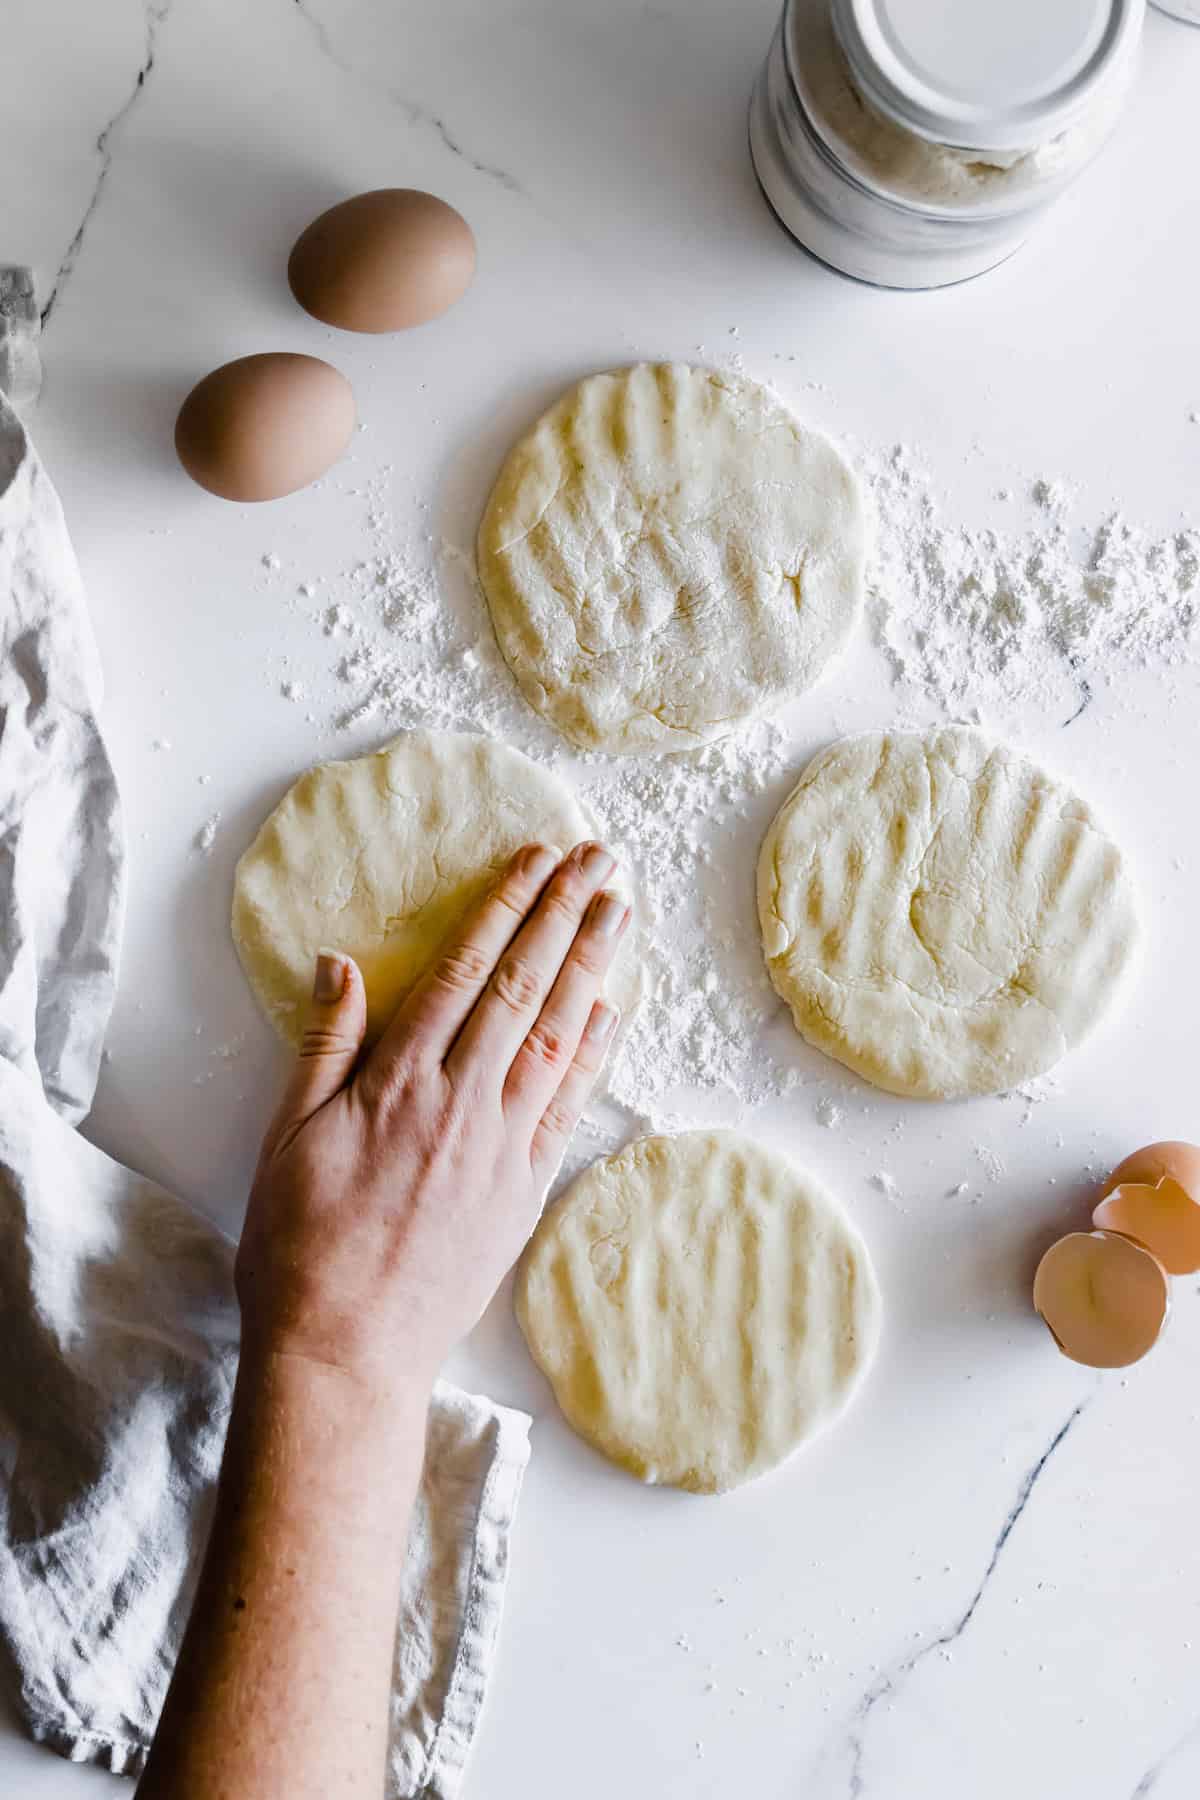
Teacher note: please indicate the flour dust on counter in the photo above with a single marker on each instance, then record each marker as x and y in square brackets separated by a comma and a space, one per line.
[1042, 617]
[700, 1031]
[389, 649]
[967, 619]
[393, 648]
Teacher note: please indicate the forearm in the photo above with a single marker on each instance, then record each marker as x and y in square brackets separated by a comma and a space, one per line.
[393, 1191]
[281, 1687]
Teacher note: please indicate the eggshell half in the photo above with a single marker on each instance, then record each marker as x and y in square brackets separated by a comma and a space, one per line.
[1104, 1298]
[264, 426]
[383, 261]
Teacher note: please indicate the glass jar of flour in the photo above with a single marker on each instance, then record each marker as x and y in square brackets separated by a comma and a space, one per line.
[913, 143]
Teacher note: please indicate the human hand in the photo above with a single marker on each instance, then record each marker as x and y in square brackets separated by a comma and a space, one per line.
[392, 1195]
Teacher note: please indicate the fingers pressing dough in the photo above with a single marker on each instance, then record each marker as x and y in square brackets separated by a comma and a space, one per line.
[382, 856]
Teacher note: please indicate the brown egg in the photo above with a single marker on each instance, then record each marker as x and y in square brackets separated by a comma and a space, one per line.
[263, 426]
[1103, 1297]
[383, 261]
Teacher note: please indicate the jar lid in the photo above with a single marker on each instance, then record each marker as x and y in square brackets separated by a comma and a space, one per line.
[995, 74]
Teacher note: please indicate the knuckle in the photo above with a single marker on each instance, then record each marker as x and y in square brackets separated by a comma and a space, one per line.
[512, 898]
[558, 1118]
[464, 1101]
[588, 1058]
[546, 1046]
[517, 985]
[324, 1040]
[398, 1084]
[464, 967]
[591, 956]
[567, 897]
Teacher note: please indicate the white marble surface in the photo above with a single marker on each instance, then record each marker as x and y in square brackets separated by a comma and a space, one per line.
[985, 1582]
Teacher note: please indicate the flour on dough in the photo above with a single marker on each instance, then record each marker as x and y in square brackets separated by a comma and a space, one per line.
[667, 552]
[700, 1308]
[381, 856]
[940, 914]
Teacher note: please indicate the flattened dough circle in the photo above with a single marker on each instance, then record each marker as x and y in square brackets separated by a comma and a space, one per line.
[667, 552]
[700, 1308]
[940, 914]
[382, 855]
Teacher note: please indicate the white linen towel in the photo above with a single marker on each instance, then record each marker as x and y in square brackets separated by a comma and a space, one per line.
[118, 1324]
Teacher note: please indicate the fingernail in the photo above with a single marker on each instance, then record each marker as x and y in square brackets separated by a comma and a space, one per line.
[609, 912]
[329, 982]
[596, 862]
[602, 1022]
[539, 861]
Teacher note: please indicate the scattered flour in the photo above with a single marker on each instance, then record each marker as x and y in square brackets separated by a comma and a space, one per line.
[220, 1053]
[207, 834]
[1037, 1091]
[701, 1024]
[977, 617]
[1040, 1088]
[400, 653]
[965, 617]
[991, 1162]
[404, 657]
[884, 1184]
[1055, 497]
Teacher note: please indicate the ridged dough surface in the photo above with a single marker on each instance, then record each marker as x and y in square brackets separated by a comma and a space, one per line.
[669, 551]
[382, 855]
[700, 1307]
[940, 914]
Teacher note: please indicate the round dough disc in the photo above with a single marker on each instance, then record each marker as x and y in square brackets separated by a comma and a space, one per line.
[381, 856]
[940, 914]
[668, 552]
[700, 1308]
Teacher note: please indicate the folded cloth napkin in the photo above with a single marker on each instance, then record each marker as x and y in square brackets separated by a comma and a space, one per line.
[118, 1324]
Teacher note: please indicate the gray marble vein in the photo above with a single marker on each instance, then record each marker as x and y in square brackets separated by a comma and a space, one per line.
[412, 110]
[1158, 1769]
[156, 13]
[889, 1681]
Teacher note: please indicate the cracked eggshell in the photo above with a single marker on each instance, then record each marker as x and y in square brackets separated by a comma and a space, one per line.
[1103, 1297]
[264, 426]
[1154, 1198]
[383, 261]
[1171, 1159]
[1164, 1219]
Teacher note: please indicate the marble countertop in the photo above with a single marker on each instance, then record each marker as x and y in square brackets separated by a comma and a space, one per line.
[985, 1581]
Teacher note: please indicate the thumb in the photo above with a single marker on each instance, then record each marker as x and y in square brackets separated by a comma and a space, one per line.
[333, 1035]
